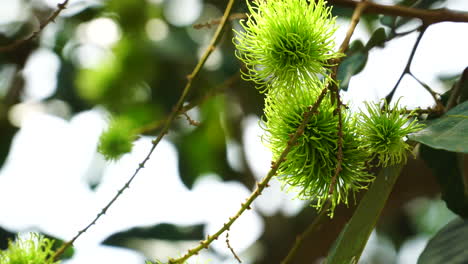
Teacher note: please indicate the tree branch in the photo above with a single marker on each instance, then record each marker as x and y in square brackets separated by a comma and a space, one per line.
[51, 18]
[427, 16]
[216, 38]
[389, 97]
[360, 8]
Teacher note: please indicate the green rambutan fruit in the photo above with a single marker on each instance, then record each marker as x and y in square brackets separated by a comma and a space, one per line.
[287, 41]
[33, 250]
[310, 165]
[384, 132]
[118, 139]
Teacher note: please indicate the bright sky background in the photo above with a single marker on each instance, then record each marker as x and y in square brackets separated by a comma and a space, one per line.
[62, 171]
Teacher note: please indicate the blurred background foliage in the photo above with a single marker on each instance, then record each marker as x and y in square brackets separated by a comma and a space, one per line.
[130, 58]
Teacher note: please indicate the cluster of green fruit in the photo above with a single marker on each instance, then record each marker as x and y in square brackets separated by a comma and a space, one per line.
[287, 47]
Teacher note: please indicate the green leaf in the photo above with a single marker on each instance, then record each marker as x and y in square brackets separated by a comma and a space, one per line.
[161, 231]
[354, 47]
[463, 83]
[448, 132]
[448, 245]
[388, 21]
[349, 245]
[447, 169]
[377, 39]
[350, 66]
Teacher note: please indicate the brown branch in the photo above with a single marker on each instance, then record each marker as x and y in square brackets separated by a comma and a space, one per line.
[51, 18]
[361, 7]
[190, 120]
[216, 38]
[427, 16]
[230, 248]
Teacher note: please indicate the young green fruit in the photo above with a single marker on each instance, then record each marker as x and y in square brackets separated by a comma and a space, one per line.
[310, 165]
[384, 133]
[117, 140]
[287, 41]
[33, 250]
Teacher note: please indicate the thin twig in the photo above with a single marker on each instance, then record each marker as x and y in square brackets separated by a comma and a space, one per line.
[300, 238]
[230, 248]
[260, 186]
[190, 120]
[155, 142]
[51, 18]
[213, 22]
[434, 95]
[407, 68]
[215, 91]
[427, 16]
[361, 7]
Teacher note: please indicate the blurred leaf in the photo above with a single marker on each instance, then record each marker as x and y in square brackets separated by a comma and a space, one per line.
[448, 132]
[203, 149]
[161, 231]
[449, 174]
[356, 58]
[353, 63]
[350, 66]
[132, 15]
[463, 86]
[388, 21]
[448, 245]
[7, 131]
[353, 238]
[377, 39]
[355, 46]
[426, 3]
[5, 236]
[342, 12]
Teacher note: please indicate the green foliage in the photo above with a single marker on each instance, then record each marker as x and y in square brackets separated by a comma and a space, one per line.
[286, 41]
[356, 57]
[353, 238]
[119, 82]
[447, 132]
[384, 132]
[448, 245]
[448, 170]
[33, 250]
[117, 140]
[310, 165]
